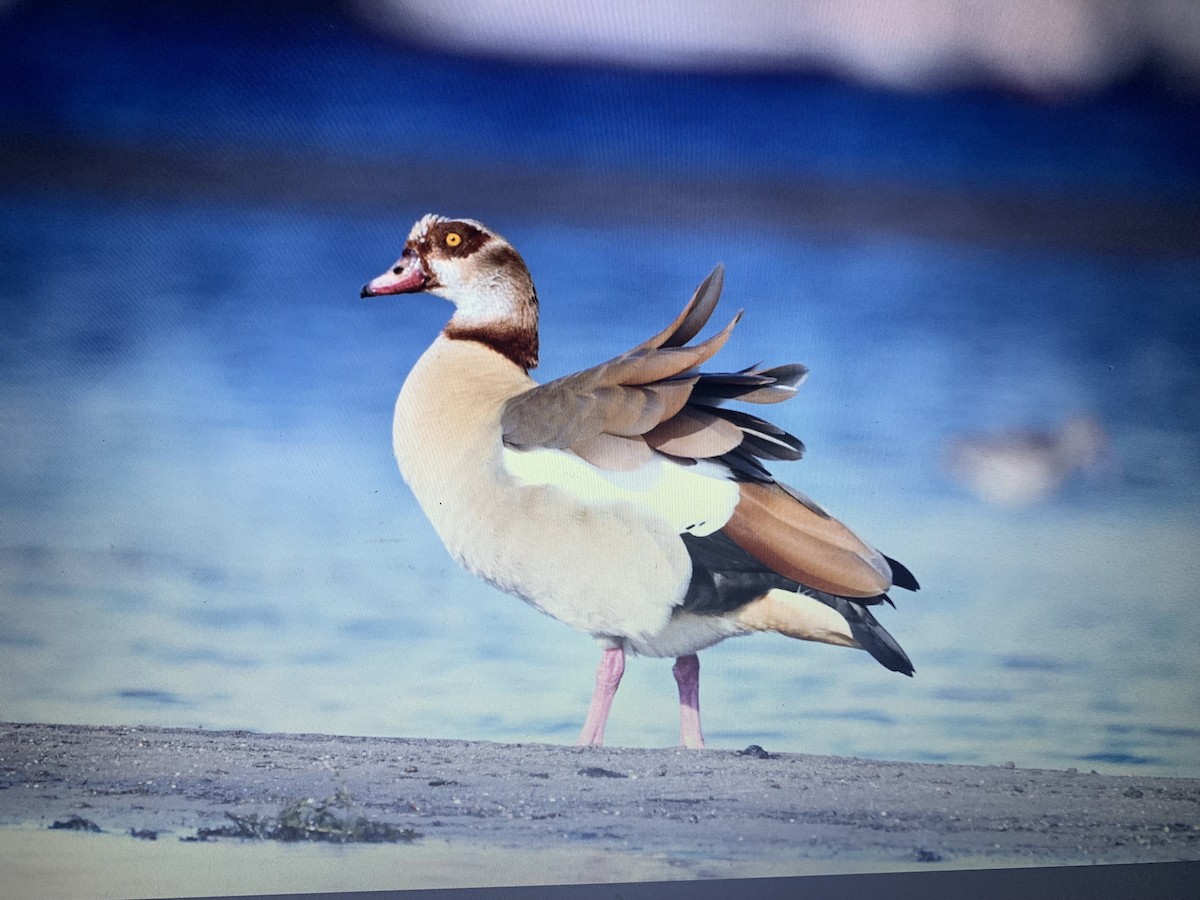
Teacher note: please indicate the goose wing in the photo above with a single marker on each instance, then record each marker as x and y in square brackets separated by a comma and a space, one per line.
[652, 398]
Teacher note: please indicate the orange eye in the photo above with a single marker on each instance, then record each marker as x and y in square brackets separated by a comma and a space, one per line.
[453, 239]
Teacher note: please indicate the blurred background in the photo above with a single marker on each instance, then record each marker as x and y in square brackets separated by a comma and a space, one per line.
[977, 223]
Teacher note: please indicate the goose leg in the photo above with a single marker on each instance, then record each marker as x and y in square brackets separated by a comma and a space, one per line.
[608, 677]
[687, 676]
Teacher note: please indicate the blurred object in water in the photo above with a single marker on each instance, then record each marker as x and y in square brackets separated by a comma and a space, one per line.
[1048, 47]
[1021, 466]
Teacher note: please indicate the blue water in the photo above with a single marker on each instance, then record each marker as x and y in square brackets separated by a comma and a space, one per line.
[309, 80]
[204, 526]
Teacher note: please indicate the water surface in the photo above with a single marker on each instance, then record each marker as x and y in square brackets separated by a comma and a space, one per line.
[204, 526]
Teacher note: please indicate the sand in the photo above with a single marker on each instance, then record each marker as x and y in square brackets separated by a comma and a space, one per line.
[152, 811]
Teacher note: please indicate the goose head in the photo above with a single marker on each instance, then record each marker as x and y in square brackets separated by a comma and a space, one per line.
[477, 270]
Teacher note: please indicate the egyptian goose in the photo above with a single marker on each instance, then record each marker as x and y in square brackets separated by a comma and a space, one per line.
[624, 500]
[1022, 466]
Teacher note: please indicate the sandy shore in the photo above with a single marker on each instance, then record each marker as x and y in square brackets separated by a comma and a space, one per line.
[450, 813]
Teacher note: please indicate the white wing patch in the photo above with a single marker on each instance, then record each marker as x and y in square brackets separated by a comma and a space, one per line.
[696, 499]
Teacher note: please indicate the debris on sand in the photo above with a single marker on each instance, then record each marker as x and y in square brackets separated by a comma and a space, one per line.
[330, 820]
[76, 823]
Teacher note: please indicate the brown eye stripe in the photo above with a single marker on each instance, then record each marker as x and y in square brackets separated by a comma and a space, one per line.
[471, 238]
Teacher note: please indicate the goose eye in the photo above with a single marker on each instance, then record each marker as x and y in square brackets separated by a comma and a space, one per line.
[453, 239]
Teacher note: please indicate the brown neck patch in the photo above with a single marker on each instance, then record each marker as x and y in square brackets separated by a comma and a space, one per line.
[520, 345]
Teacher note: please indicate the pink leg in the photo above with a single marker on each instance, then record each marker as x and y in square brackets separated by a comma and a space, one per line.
[608, 677]
[687, 676]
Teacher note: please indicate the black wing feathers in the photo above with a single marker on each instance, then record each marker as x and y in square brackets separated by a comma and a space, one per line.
[871, 636]
[725, 577]
[901, 577]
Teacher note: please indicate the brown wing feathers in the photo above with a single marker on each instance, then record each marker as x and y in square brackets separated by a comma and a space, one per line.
[694, 433]
[694, 316]
[606, 398]
[645, 392]
[819, 552]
